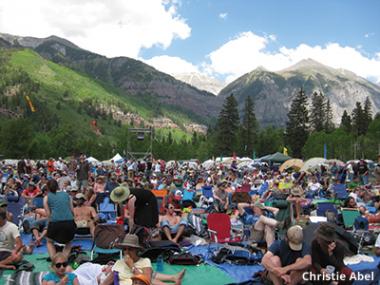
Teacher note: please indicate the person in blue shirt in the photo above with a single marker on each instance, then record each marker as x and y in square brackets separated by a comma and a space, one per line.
[59, 276]
[286, 260]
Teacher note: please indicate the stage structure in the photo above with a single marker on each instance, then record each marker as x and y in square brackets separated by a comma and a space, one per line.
[141, 135]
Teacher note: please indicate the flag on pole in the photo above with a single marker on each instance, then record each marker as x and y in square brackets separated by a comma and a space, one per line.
[285, 151]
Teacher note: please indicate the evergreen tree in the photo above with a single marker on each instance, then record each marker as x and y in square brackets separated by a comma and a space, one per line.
[228, 123]
[328, 123]
[358, 120]
[367, 114]
[170, 138]
[194, 139]
[345, 122]
[249, 127]
[297, 127]
[317, 114]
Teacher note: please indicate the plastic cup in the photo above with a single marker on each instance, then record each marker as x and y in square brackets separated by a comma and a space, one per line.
[330, 269]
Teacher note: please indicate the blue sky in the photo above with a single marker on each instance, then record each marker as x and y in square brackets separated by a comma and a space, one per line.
[220, 38]
[293, 22]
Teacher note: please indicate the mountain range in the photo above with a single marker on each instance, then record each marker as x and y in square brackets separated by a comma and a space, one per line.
[273, 92]
[162, 100]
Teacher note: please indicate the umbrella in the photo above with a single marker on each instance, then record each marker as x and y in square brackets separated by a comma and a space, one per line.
[170, 164]
[337, 161]
[208, 164]
[294, 163]
[313, 164]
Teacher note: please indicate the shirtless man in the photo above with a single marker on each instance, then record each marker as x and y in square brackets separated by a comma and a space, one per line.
[172, 224]
[85, 216]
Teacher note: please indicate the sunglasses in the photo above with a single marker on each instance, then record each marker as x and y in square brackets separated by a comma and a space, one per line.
[60, 264]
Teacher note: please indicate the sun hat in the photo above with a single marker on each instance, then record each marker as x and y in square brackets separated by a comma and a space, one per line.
[295, 237]
[142, 278]
[80, 196]
[130, 240]
[120, 194]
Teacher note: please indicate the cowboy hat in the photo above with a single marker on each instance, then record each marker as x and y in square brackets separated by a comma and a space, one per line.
[120, 194]
[130, 240]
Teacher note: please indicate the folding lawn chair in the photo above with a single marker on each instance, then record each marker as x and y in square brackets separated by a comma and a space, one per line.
[340, 191]
[349, 216]
[219, 228]
[160, 196]
[106, 237]
[324, 207]
[107, 209]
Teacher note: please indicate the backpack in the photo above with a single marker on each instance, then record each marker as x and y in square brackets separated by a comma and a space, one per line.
[155, 248]
[237, 255]
[184, 259]
[107, 236]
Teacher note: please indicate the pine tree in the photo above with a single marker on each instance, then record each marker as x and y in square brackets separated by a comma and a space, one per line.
[358, 120]
[317, 112]
[249, 127]
[367, 114]
[345, 122]
[297, 127]
[328, 123]
[228, 123]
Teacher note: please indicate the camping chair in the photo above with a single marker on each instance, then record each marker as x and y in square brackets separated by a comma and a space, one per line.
[284, 215]
[349, 216]
[219, 228]
[106, 237]
[107, 209]
[324, 207]
[160, 196]
[206, 197]
[38, 202]
[340, 191]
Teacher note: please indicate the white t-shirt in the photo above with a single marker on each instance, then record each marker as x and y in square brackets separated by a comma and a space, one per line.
[8, 234]
[125, 272]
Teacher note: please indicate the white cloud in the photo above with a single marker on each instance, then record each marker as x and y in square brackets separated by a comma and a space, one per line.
[112, 28]
[367, 35]
[223, 15]
[172, 65]
[248, 51]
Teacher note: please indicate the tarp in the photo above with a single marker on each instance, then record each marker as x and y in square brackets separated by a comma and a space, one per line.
[276, 157]
[208, 164]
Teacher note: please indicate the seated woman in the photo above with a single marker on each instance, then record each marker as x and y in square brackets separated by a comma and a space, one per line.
[172, 224]
[59, 276]
[133, 264]
[327, 250]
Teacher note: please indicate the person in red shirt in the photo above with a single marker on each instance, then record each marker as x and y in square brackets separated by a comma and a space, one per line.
[30, 192]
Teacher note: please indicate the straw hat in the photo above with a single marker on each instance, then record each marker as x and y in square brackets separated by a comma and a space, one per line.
[141, 277]
[120, 194]
[130, 240]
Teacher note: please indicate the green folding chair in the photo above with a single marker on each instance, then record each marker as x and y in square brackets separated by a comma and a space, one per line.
[349, 216]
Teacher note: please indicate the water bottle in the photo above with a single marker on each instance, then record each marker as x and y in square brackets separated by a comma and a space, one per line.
[160, 264]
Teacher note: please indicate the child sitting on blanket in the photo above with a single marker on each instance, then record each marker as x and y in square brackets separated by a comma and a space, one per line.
[59, 276]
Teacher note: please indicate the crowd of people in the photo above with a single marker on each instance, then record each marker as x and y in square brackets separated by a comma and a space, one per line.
[63, 198]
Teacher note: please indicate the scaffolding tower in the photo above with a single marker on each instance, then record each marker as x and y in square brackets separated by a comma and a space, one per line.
[141, 134]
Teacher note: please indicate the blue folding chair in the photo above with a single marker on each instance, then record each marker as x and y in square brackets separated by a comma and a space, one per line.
[340, 191]
[207, 192]
[107, 209]
[323, 207]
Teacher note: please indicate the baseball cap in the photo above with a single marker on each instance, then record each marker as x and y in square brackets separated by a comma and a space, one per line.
[295, 237]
